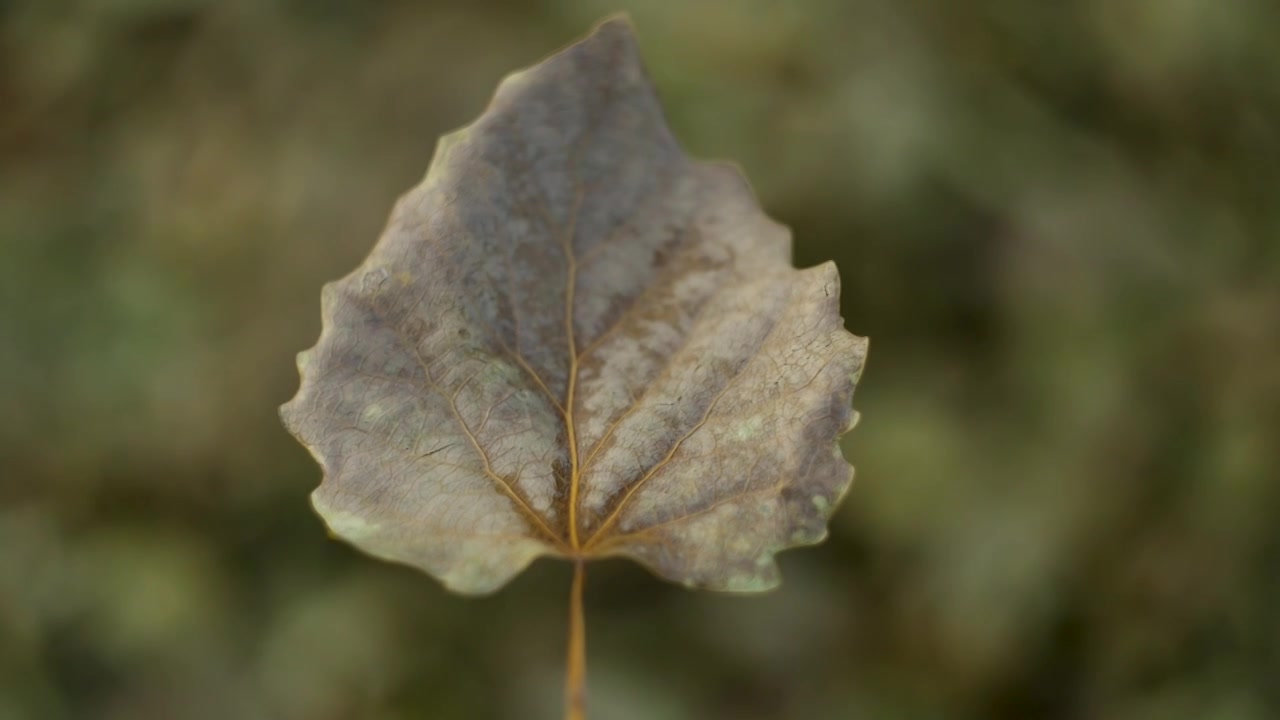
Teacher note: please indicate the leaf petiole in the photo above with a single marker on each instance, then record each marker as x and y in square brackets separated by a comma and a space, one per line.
[575, 683]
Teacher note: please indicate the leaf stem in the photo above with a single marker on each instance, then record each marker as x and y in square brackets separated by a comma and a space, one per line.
[575, 682]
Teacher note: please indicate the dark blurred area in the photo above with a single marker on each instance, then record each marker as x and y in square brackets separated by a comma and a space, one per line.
[1057, 221]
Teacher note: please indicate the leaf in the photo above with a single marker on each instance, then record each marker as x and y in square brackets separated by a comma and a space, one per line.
[572, 340]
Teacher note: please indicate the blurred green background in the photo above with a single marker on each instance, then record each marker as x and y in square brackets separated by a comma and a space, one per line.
[1059, 222]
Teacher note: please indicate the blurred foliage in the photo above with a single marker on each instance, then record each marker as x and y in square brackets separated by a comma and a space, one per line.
[1056, 221]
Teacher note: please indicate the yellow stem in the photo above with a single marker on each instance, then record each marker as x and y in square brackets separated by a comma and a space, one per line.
[575, 682]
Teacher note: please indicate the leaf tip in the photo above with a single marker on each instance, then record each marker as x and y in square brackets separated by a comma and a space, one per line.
[619, 21]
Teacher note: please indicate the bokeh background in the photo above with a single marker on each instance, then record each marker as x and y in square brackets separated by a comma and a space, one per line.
[1059, 222]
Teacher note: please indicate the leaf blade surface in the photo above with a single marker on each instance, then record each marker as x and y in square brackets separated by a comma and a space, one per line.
[573, 340]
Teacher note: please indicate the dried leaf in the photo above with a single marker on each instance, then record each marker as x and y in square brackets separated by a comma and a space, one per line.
[573, 340]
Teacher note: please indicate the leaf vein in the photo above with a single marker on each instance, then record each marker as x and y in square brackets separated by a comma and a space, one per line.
[616, 512]
[504, 485]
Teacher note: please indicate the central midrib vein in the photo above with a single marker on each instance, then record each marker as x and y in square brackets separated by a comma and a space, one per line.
[571, 283]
